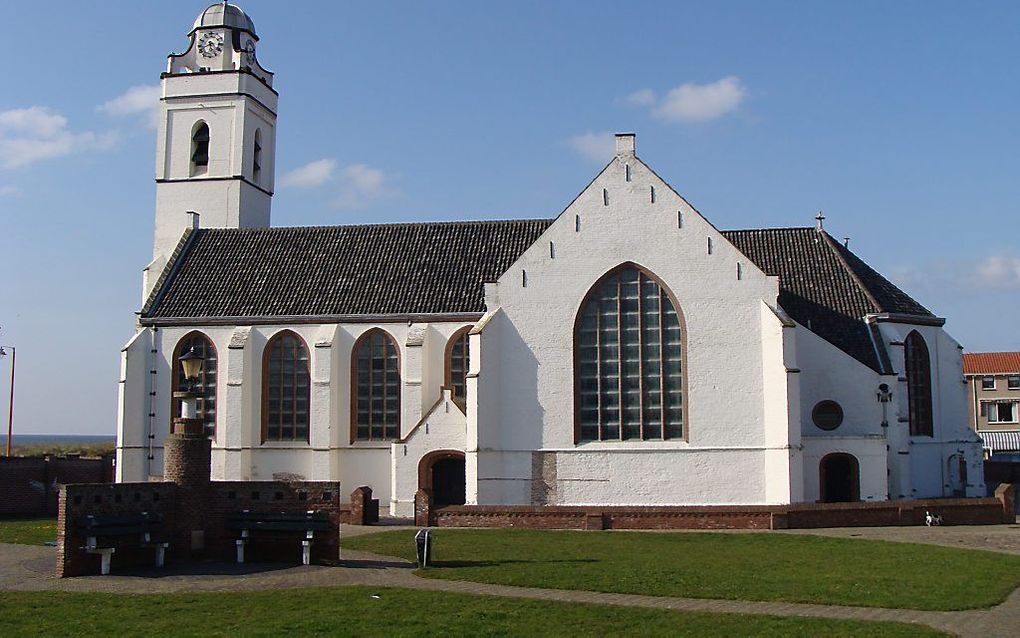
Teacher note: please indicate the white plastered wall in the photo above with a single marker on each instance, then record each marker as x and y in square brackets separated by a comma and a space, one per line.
[528, 405]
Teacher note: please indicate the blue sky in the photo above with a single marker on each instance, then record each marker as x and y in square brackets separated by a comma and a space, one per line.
[898, 120]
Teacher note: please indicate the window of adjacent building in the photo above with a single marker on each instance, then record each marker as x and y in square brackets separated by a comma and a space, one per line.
[988, 383]
[376, 391]
[827, 415]
[200, 149]
[918, 366]
[999, 411]
[629, 373]
[457, 364]
[256, 160]
[286, 389]
[1013, 382]
[206, 386]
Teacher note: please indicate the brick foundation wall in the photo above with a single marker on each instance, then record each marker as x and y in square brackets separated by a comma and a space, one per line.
[973, 511]
[28, 485]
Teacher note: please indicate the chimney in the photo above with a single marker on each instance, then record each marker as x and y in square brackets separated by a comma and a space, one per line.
[625, 144]
[194, 218]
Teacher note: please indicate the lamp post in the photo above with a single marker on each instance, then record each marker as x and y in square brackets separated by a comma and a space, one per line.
[191, 363]
[884, 396]
[10, 409]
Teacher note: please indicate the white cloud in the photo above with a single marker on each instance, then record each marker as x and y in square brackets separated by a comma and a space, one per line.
[9, 191]
[995, 272]
[310, 175]
[644, 97]
[598, 147]
[360, 185]
[701, 102]
[138, 100]
[37, 133]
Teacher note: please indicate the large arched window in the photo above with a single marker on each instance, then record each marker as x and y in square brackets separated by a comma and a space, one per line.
[206, 386]
[200, 149]
[918, 365]
[285, 389]
[457, 363]
[375, 391]
[256, 158]
[629, 353]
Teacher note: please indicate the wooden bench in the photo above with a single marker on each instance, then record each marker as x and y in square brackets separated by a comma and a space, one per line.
[308, 522]
[143, 525]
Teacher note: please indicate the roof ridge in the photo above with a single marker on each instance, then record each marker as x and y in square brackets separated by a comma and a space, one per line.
[831, 243]
[451, 222]
[169, 269]
[755, 230]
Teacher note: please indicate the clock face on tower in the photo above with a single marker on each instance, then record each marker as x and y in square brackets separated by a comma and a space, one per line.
[210, 45]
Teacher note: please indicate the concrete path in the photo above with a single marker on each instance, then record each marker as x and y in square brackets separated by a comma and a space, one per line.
[28, 568]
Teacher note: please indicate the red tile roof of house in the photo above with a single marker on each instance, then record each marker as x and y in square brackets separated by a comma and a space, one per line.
[991, 362]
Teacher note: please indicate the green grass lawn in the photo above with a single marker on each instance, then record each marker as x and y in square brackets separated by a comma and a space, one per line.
[394, 612]
[28, 531]
[753, 566]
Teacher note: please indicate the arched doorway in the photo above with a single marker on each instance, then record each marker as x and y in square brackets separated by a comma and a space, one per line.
[443, 474]
[839, 478]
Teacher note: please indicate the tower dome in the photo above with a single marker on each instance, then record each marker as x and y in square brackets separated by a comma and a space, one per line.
[223, 14]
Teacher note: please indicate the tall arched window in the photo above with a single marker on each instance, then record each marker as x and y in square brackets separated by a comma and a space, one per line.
[200, 149]
[628, 354]
[256, 158]
[375, 392]
[918, 365]
[206, 386]
[457, 363]
[285, 389]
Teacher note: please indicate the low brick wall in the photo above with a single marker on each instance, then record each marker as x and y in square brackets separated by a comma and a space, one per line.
[971, 511]
[28, 485]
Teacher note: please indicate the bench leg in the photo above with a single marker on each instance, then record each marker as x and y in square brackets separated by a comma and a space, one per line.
[161, 553]
[104, 558]
[240, 550]
[306, 552]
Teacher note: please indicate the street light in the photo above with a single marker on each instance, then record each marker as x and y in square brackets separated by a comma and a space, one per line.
[10, 411]
[191, 361]
[191, 364]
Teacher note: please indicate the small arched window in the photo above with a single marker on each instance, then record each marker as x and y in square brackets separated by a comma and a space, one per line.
[206, 387]
[200, 149]
[628, 374]
[285, 389]
[256, 158]
[918, 365]
[375, 377]
[457, 363]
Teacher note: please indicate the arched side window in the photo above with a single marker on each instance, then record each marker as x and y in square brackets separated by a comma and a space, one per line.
[457, 360]
[285, 389]
[629, 360]
[206, 387]
[256, 158]
[918, 365]
[200, 149]
[375, 391]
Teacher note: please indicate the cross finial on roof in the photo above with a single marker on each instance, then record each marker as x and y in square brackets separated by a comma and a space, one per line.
[819, 218]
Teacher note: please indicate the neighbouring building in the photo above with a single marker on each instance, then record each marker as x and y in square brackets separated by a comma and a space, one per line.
[993, 386]
[623, 352]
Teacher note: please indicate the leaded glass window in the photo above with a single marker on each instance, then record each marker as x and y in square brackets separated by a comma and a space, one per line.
[629, 378]
[457, 364]
[918, 366]
[205, 388]
[376, 388]
[285, 389]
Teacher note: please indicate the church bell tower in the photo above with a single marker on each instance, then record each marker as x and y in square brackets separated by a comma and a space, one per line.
[215, 151]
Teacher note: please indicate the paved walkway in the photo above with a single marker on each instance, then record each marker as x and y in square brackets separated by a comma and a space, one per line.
[28, 568]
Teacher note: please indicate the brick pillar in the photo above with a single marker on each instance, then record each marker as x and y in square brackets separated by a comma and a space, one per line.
[423, 508]
[1005, 495]
[187, 454]
[361, 499]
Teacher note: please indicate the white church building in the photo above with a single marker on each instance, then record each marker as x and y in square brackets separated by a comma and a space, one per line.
[623, 352]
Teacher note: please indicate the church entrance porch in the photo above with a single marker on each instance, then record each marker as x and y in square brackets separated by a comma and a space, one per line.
[442, 473]
[839, 478]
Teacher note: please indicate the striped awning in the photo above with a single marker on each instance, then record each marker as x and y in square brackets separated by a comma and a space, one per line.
[1001, 441]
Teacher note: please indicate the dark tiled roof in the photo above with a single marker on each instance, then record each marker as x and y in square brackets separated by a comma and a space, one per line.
[439, 268]
[824, 286]
[341, 270]
[991, 362]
